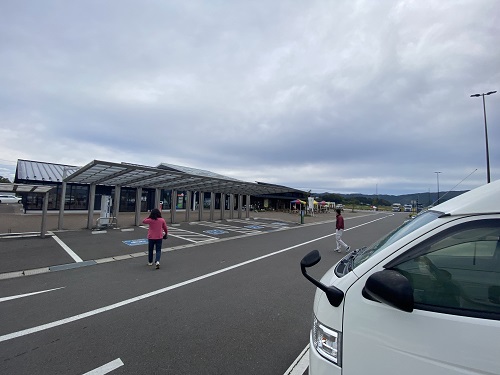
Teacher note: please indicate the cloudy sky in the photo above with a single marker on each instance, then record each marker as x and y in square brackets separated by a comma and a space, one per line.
[339, 96]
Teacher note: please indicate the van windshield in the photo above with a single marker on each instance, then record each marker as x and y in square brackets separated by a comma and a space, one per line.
[407, 227]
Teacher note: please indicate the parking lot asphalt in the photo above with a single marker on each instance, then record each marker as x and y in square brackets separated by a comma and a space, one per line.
[233, 286]
[23, 252]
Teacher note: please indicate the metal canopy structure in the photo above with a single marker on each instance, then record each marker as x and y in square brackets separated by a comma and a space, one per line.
[138, 176]
[29, 188]
[25, 188]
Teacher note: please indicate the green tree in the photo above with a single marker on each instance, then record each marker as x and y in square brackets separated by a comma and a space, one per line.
[4, 179]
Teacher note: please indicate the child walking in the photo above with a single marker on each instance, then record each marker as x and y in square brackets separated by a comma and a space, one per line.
[156, 233]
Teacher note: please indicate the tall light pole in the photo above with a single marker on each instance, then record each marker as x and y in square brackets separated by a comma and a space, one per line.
[486, 134]
[437, 176]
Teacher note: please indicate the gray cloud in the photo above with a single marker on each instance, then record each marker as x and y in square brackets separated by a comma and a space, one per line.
[329, 96]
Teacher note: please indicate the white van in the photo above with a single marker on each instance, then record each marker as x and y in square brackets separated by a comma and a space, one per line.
[396, 207]
[425, 299]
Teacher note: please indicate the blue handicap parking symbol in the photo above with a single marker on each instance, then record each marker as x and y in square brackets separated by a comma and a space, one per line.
[215, 231]
[142, 241]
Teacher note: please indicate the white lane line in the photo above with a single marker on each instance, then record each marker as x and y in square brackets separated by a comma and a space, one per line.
[28, 294]
[108, 367]
[368, 222]
[300, 365]
[87, 314]
[66, 248]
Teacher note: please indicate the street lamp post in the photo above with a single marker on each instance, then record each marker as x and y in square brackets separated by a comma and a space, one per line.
[486, 134]
[437, 176]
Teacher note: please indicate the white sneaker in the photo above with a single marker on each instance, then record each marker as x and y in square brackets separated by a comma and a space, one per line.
[157, 265]
[150, 264]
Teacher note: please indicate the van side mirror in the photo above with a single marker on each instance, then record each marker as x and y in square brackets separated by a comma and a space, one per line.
[392, 288]
[334, 295]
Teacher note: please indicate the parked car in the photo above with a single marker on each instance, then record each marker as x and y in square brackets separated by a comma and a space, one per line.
[10, 199]
[425, 299]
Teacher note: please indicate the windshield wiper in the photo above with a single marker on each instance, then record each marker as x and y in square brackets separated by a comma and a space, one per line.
[350, 260]
[354, 255]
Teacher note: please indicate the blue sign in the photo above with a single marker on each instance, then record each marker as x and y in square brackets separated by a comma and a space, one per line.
[142, 241]
[215, 231]
[254, 227]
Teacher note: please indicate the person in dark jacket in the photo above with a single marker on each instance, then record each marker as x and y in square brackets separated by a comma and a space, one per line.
[339, 229]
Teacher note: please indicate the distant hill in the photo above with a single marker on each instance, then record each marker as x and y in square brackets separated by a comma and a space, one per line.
[423, 198]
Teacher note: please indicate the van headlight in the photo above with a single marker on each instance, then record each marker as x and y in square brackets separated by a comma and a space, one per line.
[327, 342]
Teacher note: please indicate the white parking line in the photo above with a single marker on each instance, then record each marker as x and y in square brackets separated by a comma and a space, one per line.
[108, 367]
[230, 228]
[300, 365]
[66, 248]
[189, 236]
[28, 294]
[274, 225]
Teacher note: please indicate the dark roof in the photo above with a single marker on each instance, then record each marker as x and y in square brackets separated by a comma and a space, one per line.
[40, 171]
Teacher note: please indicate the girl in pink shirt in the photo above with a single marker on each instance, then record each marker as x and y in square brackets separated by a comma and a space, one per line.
[156, 232]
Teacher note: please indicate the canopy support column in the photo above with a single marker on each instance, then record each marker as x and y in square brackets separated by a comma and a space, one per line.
[231, 206]
[138, 198]
[212, 205]
[157, 198]
[44, 214]
[62, 202]
[222, 205]
[247, 212]
[200, 205]
[116, 202]
[240, 205]
[173, 205]
[90, 216]
[188, 204]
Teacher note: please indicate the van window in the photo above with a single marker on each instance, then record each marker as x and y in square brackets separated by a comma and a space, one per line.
[406, 228]
[458, 272]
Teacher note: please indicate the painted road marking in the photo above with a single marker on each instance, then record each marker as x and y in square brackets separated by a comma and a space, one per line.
[254, 227]
[229, 228]
[66, 248]
[190, 236]
[187, 235]
[108, 367]
[28, 294]
[274, 225]
[141, 241]
[300, 365]
[215, 231]
[87, 314]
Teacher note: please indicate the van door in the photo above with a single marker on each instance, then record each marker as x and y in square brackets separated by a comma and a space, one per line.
[455, 325]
